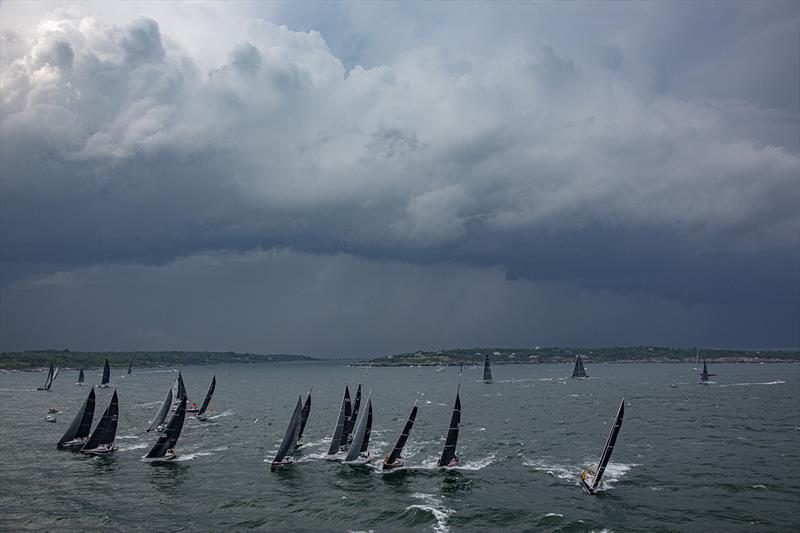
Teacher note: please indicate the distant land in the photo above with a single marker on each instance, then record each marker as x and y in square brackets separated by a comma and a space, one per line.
[67, 359]
[618, 354]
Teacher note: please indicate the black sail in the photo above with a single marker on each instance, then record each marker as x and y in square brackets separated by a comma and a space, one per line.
[82, 423]
[106, 374]
[449, 452]
[130, 366]
[336, 441]
[106, 430]
[401, 442]
[349, 418]
[161, 415]
[705, 375]
[290, 437]
[55, 375]
[304, 416]
[361, 437]
[487, 370]
[80, 376]
[579, 371]
[49, 379]
[609, 447]
[207, 399]
[169, 436]
[181, 389]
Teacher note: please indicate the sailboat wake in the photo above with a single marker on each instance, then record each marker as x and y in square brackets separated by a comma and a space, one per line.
[229, 412]
[776, 382]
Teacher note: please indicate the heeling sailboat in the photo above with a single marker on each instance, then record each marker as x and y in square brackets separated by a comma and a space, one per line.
[78, 431]
[164, 448]
[344, 413]
[590, 479]
[705, 375]
[487, 370]
[201, 413]
[80, 377]
[359, 449]
[303, 420]
[289, 442]
[161, 415]
[48, 380]
[449, 457]
[579, 371]
[106, 375]
[347, 436]
[55, 375]
[395, 459]
[102, 439]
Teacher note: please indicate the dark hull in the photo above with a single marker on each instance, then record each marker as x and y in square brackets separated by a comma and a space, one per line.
[73, 446]
[100, 451]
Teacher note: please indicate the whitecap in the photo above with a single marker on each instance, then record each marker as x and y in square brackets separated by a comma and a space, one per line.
[228, 412]
[433, 506]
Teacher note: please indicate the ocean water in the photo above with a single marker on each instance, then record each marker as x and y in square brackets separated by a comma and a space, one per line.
[723, 457]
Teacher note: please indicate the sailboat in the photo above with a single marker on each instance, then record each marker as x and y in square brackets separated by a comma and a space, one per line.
[347, 436]
[106, 376]
[80, 377]
[705, 375]
[102, 439]
[48, 381]
[289, 442]
[487, 370]
[590, 479]
[130, 367]
[164, 448]
[579, 371]
[344, 414]
[55, 375]
[359, 449]
[180, 392]
[161, 415]
[449, 457]
[78, 431]
[303, 420]
[200, 414]
[395, 459]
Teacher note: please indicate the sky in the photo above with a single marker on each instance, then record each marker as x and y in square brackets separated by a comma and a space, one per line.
[366, 178]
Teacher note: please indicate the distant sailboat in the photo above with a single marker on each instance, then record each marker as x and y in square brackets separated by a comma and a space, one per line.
[164, 448]
[449, 457]
[55, 374]
[80, 377]
[106, 376]
[347, 437]
[579, 371]
[303, 420]
[161, 415]
[130, 367]
[200, 414]
[344, 413]
[487, 370]
[704, 376]
[48, 381]
[289, 442]
[590, 479]
[78, 431]
[102, 439]
[395, 459]
[359, 449]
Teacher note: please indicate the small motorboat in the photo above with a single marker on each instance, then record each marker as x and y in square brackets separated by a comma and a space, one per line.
[50, 418]
[52, 410]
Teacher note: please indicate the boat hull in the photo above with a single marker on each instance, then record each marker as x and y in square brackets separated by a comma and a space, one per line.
[585, 486]
[100, 451]
[167, 458]
[392, 466]
[73, 445]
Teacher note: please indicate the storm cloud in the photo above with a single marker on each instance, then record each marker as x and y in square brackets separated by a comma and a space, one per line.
[642, 157]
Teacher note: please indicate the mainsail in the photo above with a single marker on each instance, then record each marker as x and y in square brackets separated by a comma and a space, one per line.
[82, 423]
[106, 430]
[360, 443]
[401, 442]
[181, 392]
[304, 418]
[347, 435]
[336, 441]
[48, 380]
[290, 437]
[80, 376]
[169, 436]
[55, 375]
[579, 371]
[449, 452]
[487, 370]
[106, 375]
[591, 487]
[207, 399]
[130, 366]
[161, 415]
[705, 374]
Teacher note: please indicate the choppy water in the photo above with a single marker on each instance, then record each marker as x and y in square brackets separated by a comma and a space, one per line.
[725, 457]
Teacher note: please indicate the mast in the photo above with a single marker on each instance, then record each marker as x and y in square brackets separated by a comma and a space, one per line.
[401, 442]
[80, 376]
[304, 416]
[169, 437]
[106, 374]
[162, 411]
[82, 423]
[609, 447]
[449, 452]
[487, 370]
[106, 430]
[361, 437]
[290, 437]
[207, 399]
[336, 441]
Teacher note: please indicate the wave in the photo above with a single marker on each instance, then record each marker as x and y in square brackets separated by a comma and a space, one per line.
[192, 455]
[432, 505]
[433, 464]
[138, 446]
[776, 382]
[228, 412]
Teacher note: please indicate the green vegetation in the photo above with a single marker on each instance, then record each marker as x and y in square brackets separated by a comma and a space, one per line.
[644, 354]
[66, 358]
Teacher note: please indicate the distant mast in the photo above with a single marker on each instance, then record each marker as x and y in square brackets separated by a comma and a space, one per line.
[579, 371]
[106, 375]
[487, 370]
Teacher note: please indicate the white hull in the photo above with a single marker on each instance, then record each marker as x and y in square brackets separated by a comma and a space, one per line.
[100, 451]
[360, 460]
[165, 459]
